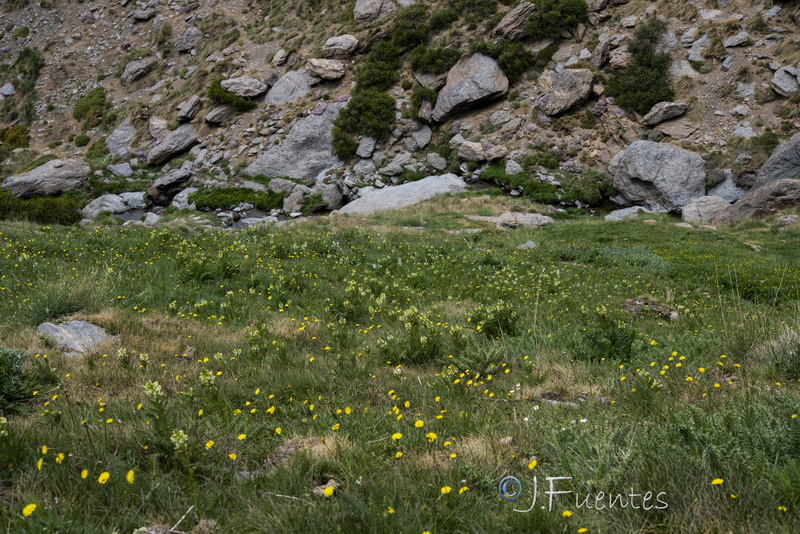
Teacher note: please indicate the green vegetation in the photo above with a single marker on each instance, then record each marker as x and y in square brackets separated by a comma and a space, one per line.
[511, 56]
[82, 140]
[554, 16]
[379, 70]
[14, 137]
[442, 19]
[474, 9]
[92, 108]
[419, 95]
[23, 73]
[230, 197]
[369, 112]
[21, 32]
[220, 95]
[45, 210]
[343, 145]
[591, 188]
[433, 60]
[413, 369]
[644, 81]
[410, 26]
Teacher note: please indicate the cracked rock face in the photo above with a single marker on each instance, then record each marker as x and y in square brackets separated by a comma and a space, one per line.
[471, 81]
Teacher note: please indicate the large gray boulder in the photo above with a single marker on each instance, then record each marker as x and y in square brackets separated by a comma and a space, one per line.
[109, 203]
[120, 141]
[54, 177]
[660, 176]
[74, 337]
[664, 111]
[306, 151]
[564, 90]
[703, 210]
[512, 26]
[472, 80]
[244, 86]
[392, 198]
[768, 199]
[291, 86]
[327, 69]
[179, 140]
[166, 187]
[340, 47]
[137, 69]
[188, 39]
[783, 163]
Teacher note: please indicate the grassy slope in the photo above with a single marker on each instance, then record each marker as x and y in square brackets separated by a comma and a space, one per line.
[341, 333]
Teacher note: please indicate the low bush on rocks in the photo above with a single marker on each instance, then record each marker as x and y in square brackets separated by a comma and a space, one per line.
[62, 210]
[229, 197]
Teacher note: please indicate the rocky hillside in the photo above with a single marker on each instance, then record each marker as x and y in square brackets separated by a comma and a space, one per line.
[264, 110]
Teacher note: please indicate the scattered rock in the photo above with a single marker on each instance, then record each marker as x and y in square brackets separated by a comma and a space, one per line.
[512, 219]
[369, 10]
[664, 111]
[391, 198]
[340, 47]
[181, 200]
[658, 175]
[736, 40]
[366, 146]
[703, 210]
[527, 245]
[179, 140]
[54, 177]
[626, 213]
[436, 161]
[143, 15]
[784, 81]
[244, 86]
[327, 69]
[471, 81]
[650, 306]
[728, 190]
[281, 185]
[396, 166]
[137, 69]
[121, 169]
[220, 114]
[74, 337]
[513, 25]
[165, 188]
[109, 203]
[564, 90]
[188, 109]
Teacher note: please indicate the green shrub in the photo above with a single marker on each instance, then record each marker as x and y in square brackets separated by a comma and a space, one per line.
[343, 145]
[540, 158]
[606, 339]
[410, 26]
[511, 56]
[433, 60]
[45, 210]
[369, 112]
[219, 95]
[22, 32]
[230, 197]
[15, 137]
[442, 19]
[644, 82]
[554, 16]
[477, 9]
[82, 140]
[379, 70]
[97, 150]
[91, 108]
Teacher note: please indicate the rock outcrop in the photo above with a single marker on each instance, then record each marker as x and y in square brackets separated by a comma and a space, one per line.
[137, 69]
[291, 86]
[244, 86]
[166, 187]
[512, 26]
[340, 47]
[54, 177]
[327, 69]
[306, 151]
[768, 199]
[392, 198]
[783, 163]
[664, 111]
[703, 210]
[660, 176]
